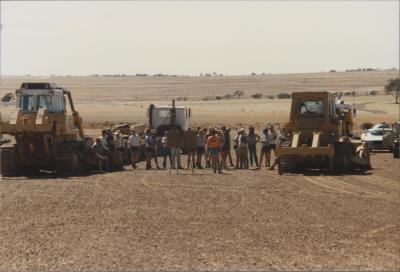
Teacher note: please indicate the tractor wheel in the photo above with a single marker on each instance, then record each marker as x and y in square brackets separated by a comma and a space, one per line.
[8, 158]
[67, 159]
[342, 157]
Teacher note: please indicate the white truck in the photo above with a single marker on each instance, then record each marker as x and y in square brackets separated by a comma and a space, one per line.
[380, 136]
[162, 118]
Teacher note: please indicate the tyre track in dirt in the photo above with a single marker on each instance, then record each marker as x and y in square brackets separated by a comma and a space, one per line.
[335, 184]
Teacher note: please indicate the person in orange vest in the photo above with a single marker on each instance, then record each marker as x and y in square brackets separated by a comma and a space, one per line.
[214, 149]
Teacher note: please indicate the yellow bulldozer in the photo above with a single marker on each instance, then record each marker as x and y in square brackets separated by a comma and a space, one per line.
[319, 135]
[47, 136]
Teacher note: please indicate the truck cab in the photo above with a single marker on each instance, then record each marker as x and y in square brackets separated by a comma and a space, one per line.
[164, 117]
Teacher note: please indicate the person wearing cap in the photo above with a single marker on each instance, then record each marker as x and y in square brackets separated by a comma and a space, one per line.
[134, 144]
[243, 149]
[253, 139]
[213, 149]
[150, 150]
[265, 148]
[166, 150]
[100, 158]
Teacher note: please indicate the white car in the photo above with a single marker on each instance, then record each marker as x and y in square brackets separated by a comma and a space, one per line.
[380, 136]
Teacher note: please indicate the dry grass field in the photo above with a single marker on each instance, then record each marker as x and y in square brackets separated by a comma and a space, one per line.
[125, 99]
[242, 220]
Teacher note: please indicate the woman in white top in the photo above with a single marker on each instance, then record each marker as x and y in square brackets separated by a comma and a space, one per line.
[134, 143]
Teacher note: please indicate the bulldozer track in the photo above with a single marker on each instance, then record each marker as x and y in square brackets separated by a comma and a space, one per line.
[8, 165]
[348, 188]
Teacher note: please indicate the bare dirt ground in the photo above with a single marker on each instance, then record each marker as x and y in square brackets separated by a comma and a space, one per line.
[241, 220]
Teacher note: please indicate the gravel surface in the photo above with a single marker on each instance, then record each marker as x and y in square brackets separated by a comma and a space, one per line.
[241, 220]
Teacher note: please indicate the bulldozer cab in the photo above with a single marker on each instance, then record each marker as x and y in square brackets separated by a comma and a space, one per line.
[313, 112]
[34, 96]
[41, 108]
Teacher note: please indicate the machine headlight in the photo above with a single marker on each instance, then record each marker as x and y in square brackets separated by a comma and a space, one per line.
[333, 134]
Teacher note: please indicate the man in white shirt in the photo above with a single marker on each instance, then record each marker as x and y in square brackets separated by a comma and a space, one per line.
[104, 142]
[119, 150]
[134, 143]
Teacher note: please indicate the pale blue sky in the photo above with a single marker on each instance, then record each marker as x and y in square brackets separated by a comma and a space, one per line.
[79, 38]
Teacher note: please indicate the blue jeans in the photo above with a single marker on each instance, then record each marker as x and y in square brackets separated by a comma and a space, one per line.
[253, 154]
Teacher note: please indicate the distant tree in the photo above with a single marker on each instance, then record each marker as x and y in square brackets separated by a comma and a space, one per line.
[238, 94]
[257, 96]
[373, 92]
[332, 71]
[270, 96]
[393, 88]
[253, 74]
[228, 96]
[284, 96]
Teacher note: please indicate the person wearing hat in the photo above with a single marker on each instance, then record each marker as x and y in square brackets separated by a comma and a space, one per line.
[100, 158]
[166, 150]
[134, 144]
[213, 149]
[253, 139]
[150, 150]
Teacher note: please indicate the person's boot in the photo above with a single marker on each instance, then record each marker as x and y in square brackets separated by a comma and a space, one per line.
[194, 165]
[199, 165]
[164, 164]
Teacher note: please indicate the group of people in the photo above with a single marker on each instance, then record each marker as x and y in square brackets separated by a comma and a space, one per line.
[213, 149]
[108, 151]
